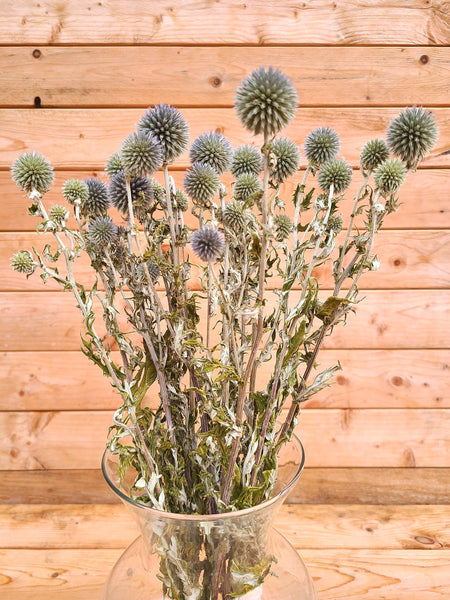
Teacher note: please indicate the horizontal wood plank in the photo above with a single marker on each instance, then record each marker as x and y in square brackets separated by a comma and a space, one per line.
[394, 319]
[332, 438]
[342, 485]
[94, 134]
[79, 574]
[257, 22]
[201, 76]
[424, 197]
[409, 259]
[306, 526]
[395, 379]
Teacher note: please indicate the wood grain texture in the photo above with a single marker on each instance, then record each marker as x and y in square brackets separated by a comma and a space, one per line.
[424, 196]
[305, 525]
[396, 379]
[94, 134]
[409, 259]
[138, 76]
[344, 485]
[394, 319]
[79, 574]
[333, 438]
[225, 22]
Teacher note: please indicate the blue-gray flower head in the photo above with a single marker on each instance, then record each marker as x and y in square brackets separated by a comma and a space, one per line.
[169, 127]
[266, 101]
[208, 243]
[412, 134]
[181, 201]
[159, 193]
[246, 185]
[102, 232]
[22, 262]
[283, 227]
[373, 154]
[287, 157]
[246, 159]
[75, 189]
[141, 193]
[32, 171]
[389, 176]
[337, 172]
[321, 145]
[113, 164]
[140, 154]
[212, 149]
[335, 223]
[97, 202]
[234, 216]
[58, 214]
[201, 182]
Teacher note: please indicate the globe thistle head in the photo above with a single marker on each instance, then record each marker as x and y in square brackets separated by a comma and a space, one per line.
[97, 203]
[169, 127]
[373, 154]
[234, 216]
[141, 193]
[246, 185]
[201, 182]
[283, 227]
[335, 172]
[153, 270]
[412, 134]
[266, 101]
[159, 193]
[321, 145]
[75, 189]
[212, 149]
[335, 223]
[58, 214]
[140, 154]
[389, 176]
[102, 232]
[208, 243]
[181, 201]
[31, 171]
[287, 159]
[23, 262]
[113, 164]
[246, 159]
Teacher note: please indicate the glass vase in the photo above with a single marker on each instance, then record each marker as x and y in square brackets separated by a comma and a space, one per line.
[211, 557]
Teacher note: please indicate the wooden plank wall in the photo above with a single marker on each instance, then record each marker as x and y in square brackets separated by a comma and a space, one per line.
[370, 512]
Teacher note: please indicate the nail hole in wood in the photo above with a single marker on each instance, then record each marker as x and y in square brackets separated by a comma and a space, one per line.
[424, 59]
[37, 102]
[36, 53]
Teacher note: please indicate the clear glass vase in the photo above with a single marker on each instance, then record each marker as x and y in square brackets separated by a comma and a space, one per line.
[211, 557]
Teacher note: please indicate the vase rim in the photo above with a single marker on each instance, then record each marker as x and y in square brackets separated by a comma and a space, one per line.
[215, 516]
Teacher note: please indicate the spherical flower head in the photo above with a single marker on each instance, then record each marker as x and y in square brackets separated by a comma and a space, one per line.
[59, 214]
[321, 145]
[389, 176]
[97, 202]
[335, 223]
[153, 270]
[102, 232]
[201, 182]
[23, 262]
[208, 243]
[335, 172]
[181, 201]
[246, 159]
[266, 101]
[212, 149]
[234, 216]
[246, 185]
[412, 134]
[141, 193]
[31, 171]
[287, 156]
[113, 164]
[283, 227]
[373, 154]
[75, 189]
[140, 154]
[159, 193]
[169, 127]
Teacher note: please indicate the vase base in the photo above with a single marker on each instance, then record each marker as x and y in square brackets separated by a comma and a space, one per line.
[133, 578]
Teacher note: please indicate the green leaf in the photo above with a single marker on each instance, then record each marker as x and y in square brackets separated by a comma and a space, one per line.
[329, 308]
[295, 343]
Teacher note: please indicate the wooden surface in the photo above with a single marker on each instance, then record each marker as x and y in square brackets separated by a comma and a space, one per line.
[370, 513]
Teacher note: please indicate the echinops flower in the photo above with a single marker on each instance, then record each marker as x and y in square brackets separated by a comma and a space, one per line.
[246, 159]
[22, 262]
[141, 192]
[169, 127]
[335, 172]
[233, 216]
[102, 231]
[287, 159]
[283, 227]
[140, 154]
[32, 171]
[246, 185]
[97, 202]
[389, 176]
[373, 154]
[212, 149]
[75, 189]
[412, 134]
[266, 101]
[208, 243]
[59, 214]
[201, 182]
[321, 145]
[113, 164]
